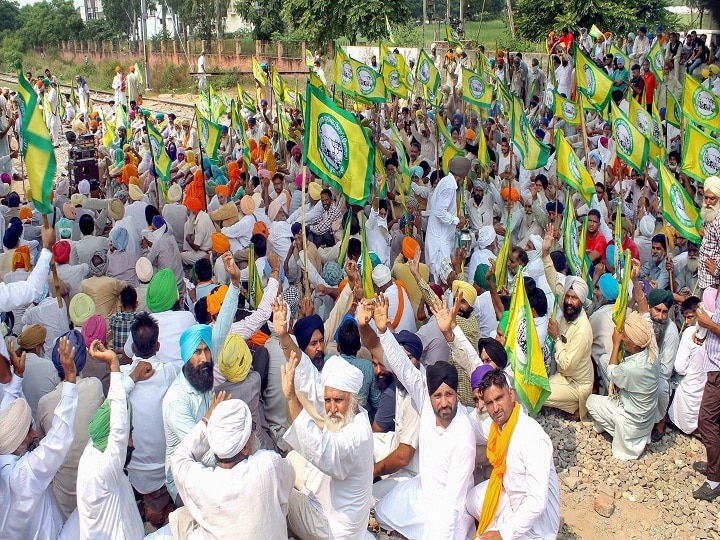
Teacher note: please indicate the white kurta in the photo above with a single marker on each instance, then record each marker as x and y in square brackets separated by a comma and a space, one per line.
[106, 503]
[666, 356]
[208, 493]
[430, 505]
[440, 237]
[529, 504]
[29, 510]
[685, 406]
[340, 464]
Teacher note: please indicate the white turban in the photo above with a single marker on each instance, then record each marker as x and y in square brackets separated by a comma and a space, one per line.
[713, 184]
[229, 428]
[536, 240]
[486, 236]
[14, 425]
[339, 374]
[582, 210]
[381, 275]
[579, 286]
[647, 226]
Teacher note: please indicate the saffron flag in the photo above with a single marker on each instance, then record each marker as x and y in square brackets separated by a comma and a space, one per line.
[632, 146]
[476, 90]
[621, 302]
[570, 170]
[524, 351]
[701, 154]
[390, 36]
[37, 147]
[535, 154]
[501, 264]
[337, 148]
[258, 72]
[656, 57]
[448, 150]
[700, 105]
[592, 81]
[566, 109]
[677, 206]
[209, 135]
[427, 72]
[160, 156]
[673, 112]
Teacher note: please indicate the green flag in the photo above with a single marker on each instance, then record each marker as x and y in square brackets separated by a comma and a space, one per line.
[632, 146]
[390, 36]
[621, 302]
[566, 109]
[677, 206]
[452, 36]
[209, 134]
[571, 241]
[239, 127]
[700, 105]
[535, 154]
[570, 170]
[673, 112]
[447, 148]
[592, 81]
[427, 73]
[160, 156]
[476, 90]
[37, 147]
[656, 57]
[701, 154]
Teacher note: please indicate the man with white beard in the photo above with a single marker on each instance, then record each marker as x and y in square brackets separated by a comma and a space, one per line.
[332, 439]
[529, 225]
[708, 270]
[685, 271]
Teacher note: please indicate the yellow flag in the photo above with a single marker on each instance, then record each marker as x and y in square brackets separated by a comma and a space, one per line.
[700, 105]
[258, 73]
[475, 89]
[592, 81]
[644, 122]
[632, 146]
[701, 154]
[570, 170]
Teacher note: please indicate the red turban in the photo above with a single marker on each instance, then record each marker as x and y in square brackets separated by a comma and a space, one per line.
[61, 251]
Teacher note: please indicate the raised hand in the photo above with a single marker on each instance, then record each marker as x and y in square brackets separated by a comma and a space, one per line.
[280, 316]
[274, 261]
[214, 401]
[142, 372]
[365, 311]
[17, 362]
[231, 268]
[446, 318]
[353, 274]
[380, 315]
[307, 307]
[67, 360]
[287, 375]
[548, 239]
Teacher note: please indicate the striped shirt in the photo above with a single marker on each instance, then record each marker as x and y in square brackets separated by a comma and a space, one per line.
[711, 362]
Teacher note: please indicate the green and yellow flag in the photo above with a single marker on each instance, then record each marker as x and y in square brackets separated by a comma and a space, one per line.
[258, 73]
[617, 53]
[309, 60]
[337, 148]
[592, 81]
[476, 90]
[452, 36]
[246, 100]
[367, 282]
[673, 112]
[139, 74]
[644, 122]
[524, 351]
[389, 32]
[595, 32]
[279, 86]
[483, 155]
[621, 302]
[427, 73]
[535, 154]
[121, 118]
[402, 158]
[217, 105]
[656, 57]
[632, 146]
[209, 134]
[255, 290]
[160, 156]
[701, 154]
[448, 150]
[37, 147]
[501, 264]
[566, 109]
[239, 127]
[570, 170]
[357, 79]
[677, 206]
[317, 82]
[202, 104]
[571, 241]
[108, 130]
[393, 80]
[700, 105]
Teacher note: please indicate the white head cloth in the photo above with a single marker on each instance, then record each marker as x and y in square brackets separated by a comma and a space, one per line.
[579, 286]
[229, 428]
[341, 375]
[486, 236]
[14, 424]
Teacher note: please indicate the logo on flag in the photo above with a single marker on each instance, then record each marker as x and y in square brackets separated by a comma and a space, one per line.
[366, 79]
[155, 146]
[333, 144]
[590, 78]
[204, 133]
[549, 97]
[424, 73]
[678, 204]
[477, 87]
[709, 159]
[657, 61]
[346, 73]
[624, 136]
[394, 80]
[570, 111]
[391, 59]
[641, 121]
[705, 105]
[656, 131]
[574, 169]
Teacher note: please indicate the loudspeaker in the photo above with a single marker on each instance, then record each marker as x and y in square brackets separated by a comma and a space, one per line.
[86, 169]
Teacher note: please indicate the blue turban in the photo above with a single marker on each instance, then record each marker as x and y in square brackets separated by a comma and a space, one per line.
[11, 238]
[411, 342]
[416, 171]
[346, 318]
[608, 287]
[221, 180]
[76, 340]
[304, 329]
[158, 222]
[191, 338]
[215, 171]
[457, 117]
[119, 237]
[610, 254]
[550, 207]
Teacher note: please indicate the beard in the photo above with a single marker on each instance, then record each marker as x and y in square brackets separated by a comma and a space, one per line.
[571, 312]
[659, 328]
[478, 198]
[528, 220]
[318, 360]
[657, 259]
[335, 422]
[201, 377]
[446, 413]
[708, 212]
[692, 264]
[465, 313]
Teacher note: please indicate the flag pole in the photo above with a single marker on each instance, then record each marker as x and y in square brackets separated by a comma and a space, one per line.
[53, 268]
[584, 131]
[306, 276]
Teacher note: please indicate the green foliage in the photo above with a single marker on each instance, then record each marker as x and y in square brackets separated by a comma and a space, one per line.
[122, 15]
[11, 53]
[264, 15]
[9, 14]
[99, 30]
[48, 23]
[171, 77]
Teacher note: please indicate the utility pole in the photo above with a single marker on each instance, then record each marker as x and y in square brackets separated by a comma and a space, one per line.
[424, 19]
[143, 29]
[511, 19]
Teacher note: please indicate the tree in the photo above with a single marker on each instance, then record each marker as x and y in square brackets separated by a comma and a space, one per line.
[9, 14]
[265, 17]
[48, 23]
[99, 30]
[122, 15]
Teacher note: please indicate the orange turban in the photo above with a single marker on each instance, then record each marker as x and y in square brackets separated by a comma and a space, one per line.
[117, 69]
[409, 245]
[222, 190]
[470, 135]
[25, 213]
[215, 299]
[220, 243]
[193, 204]
[510, 193]
[21, 258]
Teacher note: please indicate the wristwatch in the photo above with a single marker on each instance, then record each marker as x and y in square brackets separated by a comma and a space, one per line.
[561, 338]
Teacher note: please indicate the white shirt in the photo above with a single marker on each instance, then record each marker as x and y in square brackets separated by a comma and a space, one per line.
[441, 224]
[340, 464]
[40, 378]
[447, 461]
[29, 510]
[264, 478]
[147, 467]
[484, 312]
[106, 503]
[172, 324]
[239, 233]
[407, 319]
[20, 294]
[685, 406]
[378, 237]
[48, 314]
[73, 274]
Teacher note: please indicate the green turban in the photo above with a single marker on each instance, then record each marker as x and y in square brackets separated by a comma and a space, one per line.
[660, 296]
[99, 428]
[162, 292]
[479, 278]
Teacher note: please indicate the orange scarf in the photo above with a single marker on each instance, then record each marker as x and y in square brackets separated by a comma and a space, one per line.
[497, 448]
[401, 303]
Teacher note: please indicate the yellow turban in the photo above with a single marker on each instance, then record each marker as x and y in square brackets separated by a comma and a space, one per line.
[215, 299]
[81, 308]
[235, 359]
[468, 291]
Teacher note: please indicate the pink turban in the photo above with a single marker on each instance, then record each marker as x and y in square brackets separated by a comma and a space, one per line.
[94, 328]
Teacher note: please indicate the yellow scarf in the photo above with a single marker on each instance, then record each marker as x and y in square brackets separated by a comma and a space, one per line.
[497, 448]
